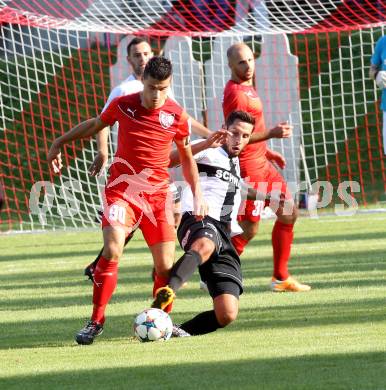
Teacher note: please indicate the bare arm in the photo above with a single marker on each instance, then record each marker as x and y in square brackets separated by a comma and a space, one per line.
[215, 140]
[102, 156]
[190, 172]
[282, 130]
[199, 129]
[83, 130]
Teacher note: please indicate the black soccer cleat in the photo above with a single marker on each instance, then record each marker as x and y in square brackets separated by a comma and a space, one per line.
[90, 270]
[179, 332]
[87, 335]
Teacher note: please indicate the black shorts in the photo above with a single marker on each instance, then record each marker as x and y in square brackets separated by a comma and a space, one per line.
[222, 272]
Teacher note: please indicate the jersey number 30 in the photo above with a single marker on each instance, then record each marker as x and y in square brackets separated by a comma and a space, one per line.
[117, 214]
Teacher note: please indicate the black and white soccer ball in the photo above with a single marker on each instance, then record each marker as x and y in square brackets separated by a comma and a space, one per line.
[153, 325]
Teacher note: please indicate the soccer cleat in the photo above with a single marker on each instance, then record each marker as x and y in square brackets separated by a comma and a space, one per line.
[90, 270]
[288, 285]
[179, 332]
[87, 335]
[164, 296]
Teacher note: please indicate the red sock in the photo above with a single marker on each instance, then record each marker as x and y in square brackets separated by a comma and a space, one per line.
[239, 242]
[105, 281]
[282, 237]
[161, 281]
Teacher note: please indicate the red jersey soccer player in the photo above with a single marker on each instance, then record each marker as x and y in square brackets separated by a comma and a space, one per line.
[136, 191]
[239, 94]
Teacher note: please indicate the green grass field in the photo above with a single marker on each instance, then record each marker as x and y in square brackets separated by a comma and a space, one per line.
[331, 338]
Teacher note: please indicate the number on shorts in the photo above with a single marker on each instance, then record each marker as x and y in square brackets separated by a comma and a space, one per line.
[259, 207]
[117, 214]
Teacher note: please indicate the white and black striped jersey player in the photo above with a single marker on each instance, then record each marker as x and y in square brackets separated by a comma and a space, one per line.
[207, 242]
[221, 187]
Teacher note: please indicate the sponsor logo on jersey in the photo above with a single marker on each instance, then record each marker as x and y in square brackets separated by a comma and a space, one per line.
[165, 119]
[225, 175]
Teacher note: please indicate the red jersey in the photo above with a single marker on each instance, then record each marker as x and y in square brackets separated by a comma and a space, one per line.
[145, 137]
[245, 98]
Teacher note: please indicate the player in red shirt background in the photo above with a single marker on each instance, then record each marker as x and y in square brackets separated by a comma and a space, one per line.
[137, 188]
[255, 164]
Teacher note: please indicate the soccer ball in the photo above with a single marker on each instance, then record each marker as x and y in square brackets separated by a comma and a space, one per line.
[153, 325]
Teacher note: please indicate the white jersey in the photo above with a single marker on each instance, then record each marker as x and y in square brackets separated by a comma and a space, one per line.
[220, 184]
[127, 87]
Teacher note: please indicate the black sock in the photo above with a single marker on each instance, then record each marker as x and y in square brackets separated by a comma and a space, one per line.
[202, 323]
[183, 269]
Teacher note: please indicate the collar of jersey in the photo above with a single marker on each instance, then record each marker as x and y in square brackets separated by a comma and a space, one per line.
[132, 78]
[222, 151]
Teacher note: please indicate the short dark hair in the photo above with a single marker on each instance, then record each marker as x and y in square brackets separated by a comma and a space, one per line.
[135, 41]
[242, 116]
[159, 68]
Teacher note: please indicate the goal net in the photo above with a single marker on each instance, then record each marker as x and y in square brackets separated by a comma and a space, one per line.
[59, 59]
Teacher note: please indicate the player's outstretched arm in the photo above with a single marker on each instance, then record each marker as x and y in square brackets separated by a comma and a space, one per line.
[282, 130]
[215, 140]
[83, 130]
[100, 160]
[199, 129]
[190, 172]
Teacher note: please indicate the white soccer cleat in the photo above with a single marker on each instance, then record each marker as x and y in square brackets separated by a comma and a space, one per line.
[179, 332]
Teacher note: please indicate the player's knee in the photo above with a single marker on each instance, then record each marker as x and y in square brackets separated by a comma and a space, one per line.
[112, 252]
[226, 316]
[289, 218]
[295, 214]
[163, 269]
[204, 247]
[250, 230]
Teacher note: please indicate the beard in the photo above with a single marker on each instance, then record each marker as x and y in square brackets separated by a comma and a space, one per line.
[243, 76]
[138, 71]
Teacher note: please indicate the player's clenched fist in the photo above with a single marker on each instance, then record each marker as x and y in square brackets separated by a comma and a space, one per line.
[282, 130]
[54, 158]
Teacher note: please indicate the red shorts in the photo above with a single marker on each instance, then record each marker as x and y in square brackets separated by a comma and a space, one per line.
[266, 181]
[152, 214]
